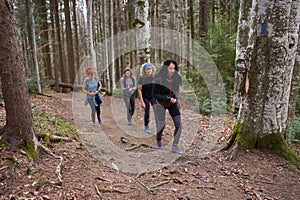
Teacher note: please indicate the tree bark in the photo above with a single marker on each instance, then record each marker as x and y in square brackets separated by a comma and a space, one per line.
[264, 109]
[19, 127]
[69, 38]
[241, 75]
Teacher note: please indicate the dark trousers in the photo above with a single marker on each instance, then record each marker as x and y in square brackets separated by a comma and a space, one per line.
[147, 110]
[94, 109]
[160, 115]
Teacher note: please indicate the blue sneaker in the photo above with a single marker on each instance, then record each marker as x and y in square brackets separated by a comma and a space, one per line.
[176, 149]
[147, 129]
[99, 120]
[129, 122]
[159, 145]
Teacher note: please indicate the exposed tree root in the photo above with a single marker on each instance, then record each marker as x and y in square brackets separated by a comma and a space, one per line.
[54, 138]
[135, 146]
[150, 190]
[232, 147]
[98, 192]
[58, 168]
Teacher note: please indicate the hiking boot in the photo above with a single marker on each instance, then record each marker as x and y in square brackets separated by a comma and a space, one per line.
[99, 120]
[147, 129]
[93, 124]
[176, 149]
[159, 145]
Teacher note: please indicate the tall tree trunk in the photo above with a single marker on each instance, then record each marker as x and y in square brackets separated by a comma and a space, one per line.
[106, 59]
[153, 34]
[191, 18]
[35, 58]
[77, 59]
[90, 34]
[19, 127]
[112, 47]
[54, 45]
[240, 76]
[69, 38]
[30, 48]
[264, 109]
[293, 60]
[43, 7]
[143, 30]
[203, 17]
[117, 26]
[60, 46]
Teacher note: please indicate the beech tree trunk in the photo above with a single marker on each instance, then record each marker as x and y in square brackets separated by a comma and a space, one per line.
[19, 127]
[264, 107]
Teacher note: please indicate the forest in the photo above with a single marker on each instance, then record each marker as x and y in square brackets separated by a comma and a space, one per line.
[239, 105]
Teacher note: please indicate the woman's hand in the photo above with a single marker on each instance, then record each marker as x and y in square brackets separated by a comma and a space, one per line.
[173, 100]
[143, 105]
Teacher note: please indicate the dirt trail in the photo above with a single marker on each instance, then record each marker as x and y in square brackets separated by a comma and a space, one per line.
[100, 167]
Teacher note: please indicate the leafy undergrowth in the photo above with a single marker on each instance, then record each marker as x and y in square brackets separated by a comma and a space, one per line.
[253, 175]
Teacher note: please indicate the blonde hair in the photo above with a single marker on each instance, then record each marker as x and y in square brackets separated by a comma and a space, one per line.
[142, 70]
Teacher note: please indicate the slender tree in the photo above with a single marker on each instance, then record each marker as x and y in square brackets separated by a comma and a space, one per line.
[69, 38]
[35, 56]
[54, 45]
[43, 15]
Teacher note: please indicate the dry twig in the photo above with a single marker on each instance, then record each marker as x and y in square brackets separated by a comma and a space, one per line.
[98, 192]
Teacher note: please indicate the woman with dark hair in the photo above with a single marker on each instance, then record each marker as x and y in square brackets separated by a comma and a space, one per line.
[128, 86]
[166, 91]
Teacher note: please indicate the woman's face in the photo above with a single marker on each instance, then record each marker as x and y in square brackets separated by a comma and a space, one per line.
[148, 72]
[171, 70]
[91, 75]
[127, 73]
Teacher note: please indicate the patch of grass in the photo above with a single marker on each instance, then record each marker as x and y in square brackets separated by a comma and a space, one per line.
[47, 125]
[13, 161]
[118, 93]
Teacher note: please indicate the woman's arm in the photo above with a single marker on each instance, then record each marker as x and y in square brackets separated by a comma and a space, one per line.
[122, 83]
[84, 89]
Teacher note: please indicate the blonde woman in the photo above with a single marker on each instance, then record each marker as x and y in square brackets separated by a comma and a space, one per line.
[145, 88]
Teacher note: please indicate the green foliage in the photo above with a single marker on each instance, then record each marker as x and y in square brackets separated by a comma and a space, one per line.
[53, 126]
[32, 85]
[220, 44]
[31, 150]
[117, 93]
[275, 143]
[295, 130]
[297, 111]
[207, 103]
[13, 161]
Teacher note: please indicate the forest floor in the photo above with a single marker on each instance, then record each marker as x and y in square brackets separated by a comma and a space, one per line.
[117, 161]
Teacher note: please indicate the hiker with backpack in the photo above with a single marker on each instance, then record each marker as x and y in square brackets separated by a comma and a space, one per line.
[128, 86]
[145, 91]
[91, 87]
[165, 92]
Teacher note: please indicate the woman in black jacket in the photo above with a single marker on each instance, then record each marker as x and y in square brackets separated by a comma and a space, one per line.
[165, 93]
